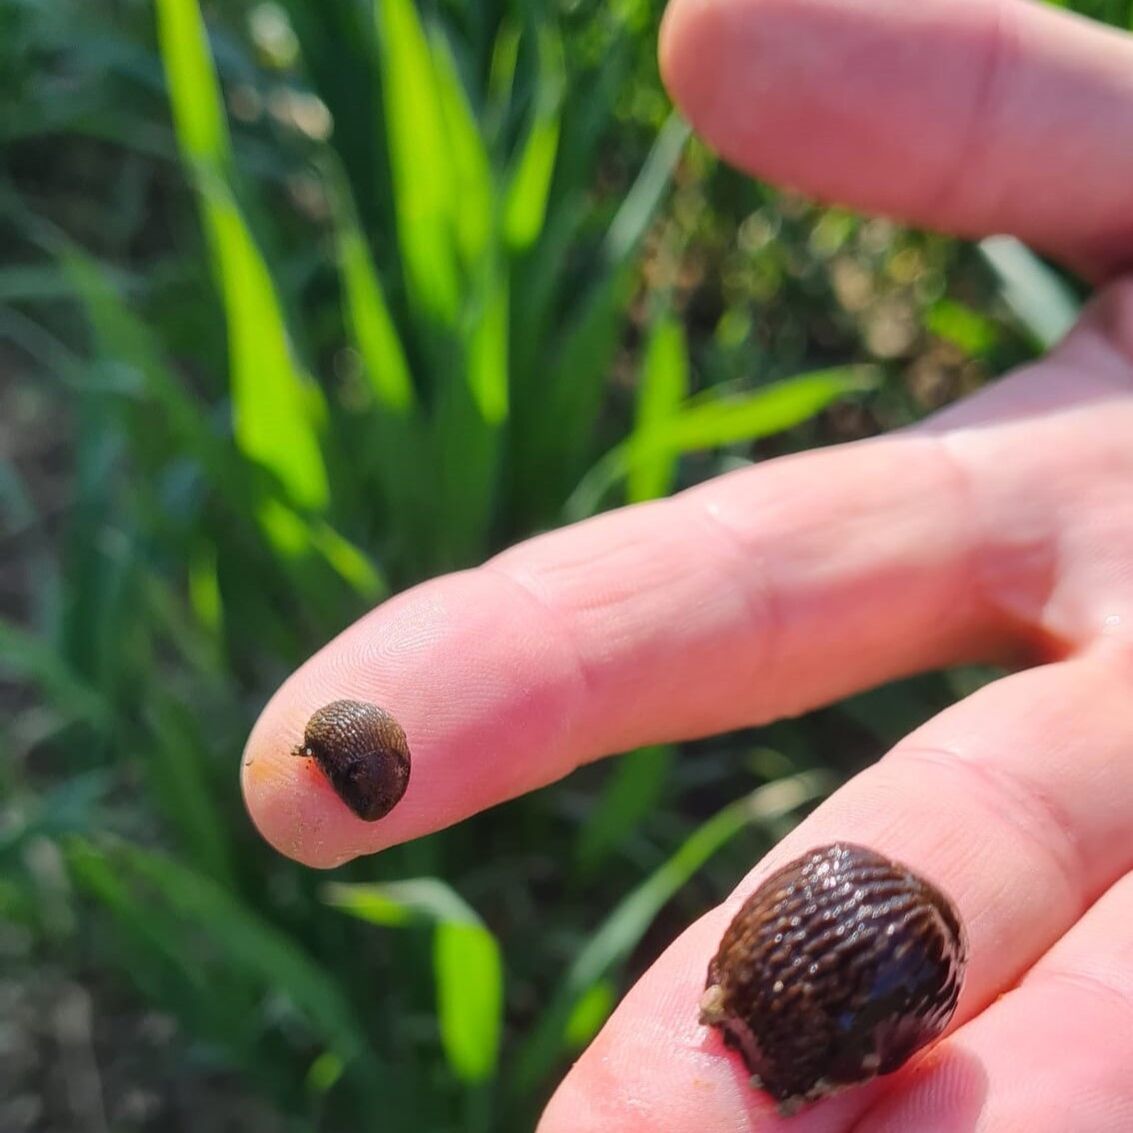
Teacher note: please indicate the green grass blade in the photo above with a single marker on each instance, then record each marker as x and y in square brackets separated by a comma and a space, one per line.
[717, 419]
[663, 386]
[420, 163]
[205, 598]
[593, 1007]
[467, 966]
[466, 427]
[487, 348]
[173, 763]
[555, 444]
[635, 787]
[470, 992]
[199, 121]
[275, 405]
[368, 316]
[648, 190]
[30, 658]
[555, 437]
[254, 953]
[398, 452]
[525, 205]
[615, 938]
[501, 71]
[474, 191]
[352, 564]
[295, 537]
[35, 282]
[128, 341]
[975, 334]
[148, 943]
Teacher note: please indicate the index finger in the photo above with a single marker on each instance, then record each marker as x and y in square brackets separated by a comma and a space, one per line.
[757, 595]
[754, 596]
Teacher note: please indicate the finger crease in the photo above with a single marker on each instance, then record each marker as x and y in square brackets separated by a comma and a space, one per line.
[1087, 981]
[586, 680]
[967, 155]
[1009, 583]
[745, 571]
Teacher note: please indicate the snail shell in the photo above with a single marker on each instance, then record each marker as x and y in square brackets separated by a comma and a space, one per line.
[836, 969]
[362, 750]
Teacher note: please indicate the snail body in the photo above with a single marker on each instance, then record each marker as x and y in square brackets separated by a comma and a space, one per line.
[838, 968]
[363, 752]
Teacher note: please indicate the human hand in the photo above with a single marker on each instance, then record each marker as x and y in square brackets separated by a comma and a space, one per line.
[1002, 527]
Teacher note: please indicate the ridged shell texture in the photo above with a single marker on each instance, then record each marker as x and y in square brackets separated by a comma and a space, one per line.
[363, 751]
[838, 968]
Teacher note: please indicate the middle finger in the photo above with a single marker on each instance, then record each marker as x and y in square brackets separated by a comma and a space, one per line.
[1016, 802]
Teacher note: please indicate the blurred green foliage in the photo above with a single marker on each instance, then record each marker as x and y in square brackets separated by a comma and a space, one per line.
[306, 302]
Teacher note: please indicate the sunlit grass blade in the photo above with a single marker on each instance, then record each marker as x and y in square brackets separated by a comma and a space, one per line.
[469, 974]
[352, 564]
[420, 163]
[368, 314]
[275, 405]
[1042, 303]
[592, 1008]
[473, 188]
[198, 115]
[295, 537]
[611, 943]
[712, 421]
[487, 346]
[276, 408]
[124, 338]
[957, 323]
[716, 419]
[467, 966]
[525, 204]
[663, 386]
[501, 74]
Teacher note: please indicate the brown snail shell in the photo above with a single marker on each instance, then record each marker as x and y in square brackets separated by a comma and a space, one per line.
[362, 750]
[836, 969]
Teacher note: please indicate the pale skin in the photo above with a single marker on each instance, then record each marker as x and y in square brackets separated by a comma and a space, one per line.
[999, 529]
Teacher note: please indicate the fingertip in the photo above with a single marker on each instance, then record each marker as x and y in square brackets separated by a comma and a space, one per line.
[484, 693]
[287, 797]
[688, 31]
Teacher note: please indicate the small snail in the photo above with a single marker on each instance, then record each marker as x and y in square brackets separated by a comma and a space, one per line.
[836, 969]
[362, 750]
